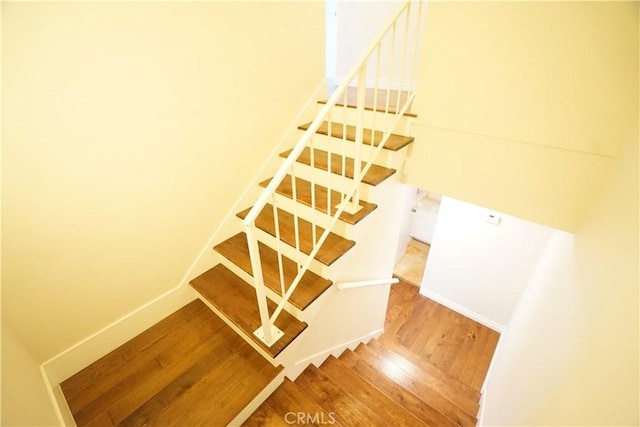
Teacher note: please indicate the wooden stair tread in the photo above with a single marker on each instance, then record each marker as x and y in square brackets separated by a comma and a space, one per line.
[303, 195]
[374, 176]
[365, 392]
[333, 248]
[394, 143]
[237, 300]
[369, 104]
[393, 390]
[105, 390]
[112, 362]
[176, 402]
[288, 398]
[414, 380]
[348, 411]
[265, 415]
[380, 109]
[178, 356]
[462, 394]
[311, 286]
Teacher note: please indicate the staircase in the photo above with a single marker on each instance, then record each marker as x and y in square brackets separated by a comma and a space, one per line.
[372, 385]
[273, 277]
[234, 298]
[317, 220]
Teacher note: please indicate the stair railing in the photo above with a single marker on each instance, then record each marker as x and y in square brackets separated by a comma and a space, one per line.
[383, 79]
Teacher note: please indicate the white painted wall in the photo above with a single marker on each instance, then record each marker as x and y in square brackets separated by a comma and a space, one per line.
[481, 269]
[359, 22]
[522, 104]
[128, 131]
[407, 197]
[570, 355]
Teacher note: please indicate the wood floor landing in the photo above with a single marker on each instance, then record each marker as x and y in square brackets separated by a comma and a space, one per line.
[426, 369]
[188, 369]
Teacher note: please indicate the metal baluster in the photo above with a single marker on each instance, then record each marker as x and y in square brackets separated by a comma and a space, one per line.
[404, 54]
[276, 221]
[261, 296]
[392, 57]
[313, 191]
[296, 219]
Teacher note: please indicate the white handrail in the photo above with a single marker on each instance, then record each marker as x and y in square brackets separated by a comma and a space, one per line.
[349, 198]
[366, 283]
[279, 176]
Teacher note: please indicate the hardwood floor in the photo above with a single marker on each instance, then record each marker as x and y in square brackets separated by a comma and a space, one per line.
[189, 369]
[426, 369]
[425, 331]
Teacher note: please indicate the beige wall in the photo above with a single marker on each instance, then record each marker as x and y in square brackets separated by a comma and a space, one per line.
[129, 130]
[25, 401]
[570, 353]
[522, 105]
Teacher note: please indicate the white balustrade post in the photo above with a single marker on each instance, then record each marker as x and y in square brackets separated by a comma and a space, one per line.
[265, 333]
[360, 104]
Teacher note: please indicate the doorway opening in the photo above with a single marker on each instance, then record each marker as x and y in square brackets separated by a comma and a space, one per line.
[417, 231]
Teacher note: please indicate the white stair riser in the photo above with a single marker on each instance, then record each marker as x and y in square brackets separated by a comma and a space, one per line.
[288, 251]
[307, 213]
[291, 253]
[387, 158]
[337, 182]
[297, 313]
[371, 119]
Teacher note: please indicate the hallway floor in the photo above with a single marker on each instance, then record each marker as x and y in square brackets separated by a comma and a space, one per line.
[423, 330]
[411, 266]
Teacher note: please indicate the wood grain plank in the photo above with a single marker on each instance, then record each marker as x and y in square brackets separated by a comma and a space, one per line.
[289, 398]
[394, 143]
[374, 176]
[99, 392]
[237, 300]
[320, 195]
[331, 397]
[176, 389]
[409, 401]
[265, 416]
[460, 394]
[113, 361]
[410, 378]
[380, 100]
[333, 248]
[311, 285]
[474, 362]
[459, 340]
[386, 408]
[135, 389]
[485, 360]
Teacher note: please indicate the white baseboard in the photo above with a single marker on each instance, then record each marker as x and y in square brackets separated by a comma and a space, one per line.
[463, 310]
